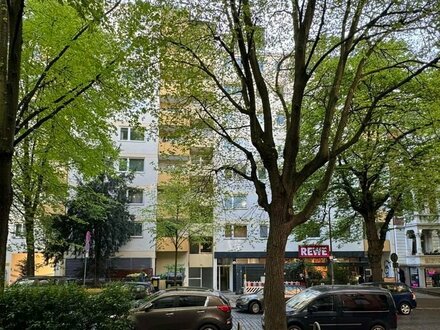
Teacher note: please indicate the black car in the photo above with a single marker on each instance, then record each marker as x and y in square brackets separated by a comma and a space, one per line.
[183, 310]
[335, 307]
[403, 296]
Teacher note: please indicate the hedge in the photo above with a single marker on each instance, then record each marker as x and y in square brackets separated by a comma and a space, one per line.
[64, 307]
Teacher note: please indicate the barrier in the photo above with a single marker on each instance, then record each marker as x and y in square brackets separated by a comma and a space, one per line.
[256, 286]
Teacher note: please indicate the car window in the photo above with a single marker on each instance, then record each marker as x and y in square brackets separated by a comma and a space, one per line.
[300, 300]
[324, 304]
[165, 302]
[191, 301]
[364, 302]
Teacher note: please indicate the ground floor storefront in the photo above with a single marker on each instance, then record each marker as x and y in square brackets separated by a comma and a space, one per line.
[235, 269]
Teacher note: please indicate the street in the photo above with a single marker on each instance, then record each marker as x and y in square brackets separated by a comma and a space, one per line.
[426, 316]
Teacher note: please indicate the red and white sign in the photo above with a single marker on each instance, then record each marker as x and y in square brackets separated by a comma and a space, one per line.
[313, 251]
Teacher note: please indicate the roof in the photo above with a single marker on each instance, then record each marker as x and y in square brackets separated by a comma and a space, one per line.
[346, 288]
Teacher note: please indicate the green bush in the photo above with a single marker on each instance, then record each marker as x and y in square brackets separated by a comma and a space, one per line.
[64, 307]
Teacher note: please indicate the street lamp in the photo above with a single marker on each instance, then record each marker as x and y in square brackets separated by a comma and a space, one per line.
[330, 258]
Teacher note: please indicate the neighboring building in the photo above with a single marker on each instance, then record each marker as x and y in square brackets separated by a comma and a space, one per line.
[416, 241]
[138, 154]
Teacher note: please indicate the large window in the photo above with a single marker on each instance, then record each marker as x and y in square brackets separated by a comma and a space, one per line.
[135, 196]
[233, 202]
[131, 164]
[132, 134]
[235, 231]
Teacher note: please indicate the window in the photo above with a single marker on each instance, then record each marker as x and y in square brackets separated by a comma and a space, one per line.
[200, 245]
[19, 230]
[192, 301]
[131, 164]
[262, 174]
[236, 231]
[264, 231]
[206, 245]
[324, 304]
[236, 202]
[166, 302]
[364, 302]
[136, 230]
[135, 196]
[132, 134]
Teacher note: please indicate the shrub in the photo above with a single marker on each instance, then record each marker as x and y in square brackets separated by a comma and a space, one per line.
[63, 307]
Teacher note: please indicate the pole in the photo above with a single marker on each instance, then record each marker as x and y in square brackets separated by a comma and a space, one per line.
[85, 269]
[332, 272]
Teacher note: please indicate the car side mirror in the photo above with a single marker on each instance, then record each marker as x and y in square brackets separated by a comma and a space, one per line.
[147, 307]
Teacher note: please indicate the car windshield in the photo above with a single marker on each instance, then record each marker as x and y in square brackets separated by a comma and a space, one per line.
[300, 300]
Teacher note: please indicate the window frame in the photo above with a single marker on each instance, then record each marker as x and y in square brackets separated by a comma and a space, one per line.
[230, 231]
[138, 190]
[232, 202]
[130, 132]
[133, 234]
[127, 161]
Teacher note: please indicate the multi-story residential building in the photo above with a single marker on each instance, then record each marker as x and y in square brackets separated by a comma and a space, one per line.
[138, 154]
[416, 241]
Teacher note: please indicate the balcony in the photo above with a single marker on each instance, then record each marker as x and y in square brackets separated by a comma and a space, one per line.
[165, 244]
[423, 260]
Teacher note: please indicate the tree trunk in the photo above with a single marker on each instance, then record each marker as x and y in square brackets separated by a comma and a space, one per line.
[30, 244]
[375, 247]
[175, 265]
[274, 304]
[11, 15]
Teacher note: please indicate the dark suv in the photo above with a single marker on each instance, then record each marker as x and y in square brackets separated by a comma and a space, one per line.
[183, 310]
[349, 307]
[403, 296]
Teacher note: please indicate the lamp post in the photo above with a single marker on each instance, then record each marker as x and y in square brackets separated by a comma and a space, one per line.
[330, 258]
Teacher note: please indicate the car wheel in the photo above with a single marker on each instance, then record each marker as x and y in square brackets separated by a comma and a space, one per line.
[405, 308]
[378, 327]
[208, 327]
[254, 307]
[294, 327]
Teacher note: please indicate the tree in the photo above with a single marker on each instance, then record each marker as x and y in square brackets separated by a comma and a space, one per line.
[78, 68]
[238, 65]
[99, 206]
[378, 176]
[183, 213]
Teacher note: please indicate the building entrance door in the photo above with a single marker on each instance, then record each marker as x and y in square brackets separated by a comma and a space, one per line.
[223, 276]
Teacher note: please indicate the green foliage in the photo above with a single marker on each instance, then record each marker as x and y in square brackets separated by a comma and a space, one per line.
[99, 206]
[63, 307]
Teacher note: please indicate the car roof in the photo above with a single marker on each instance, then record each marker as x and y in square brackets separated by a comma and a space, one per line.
[189, 288]
[346, 288]
[191, 292]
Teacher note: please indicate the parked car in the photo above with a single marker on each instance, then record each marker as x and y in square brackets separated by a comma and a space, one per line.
[253, 302]
[140, 290]
[403, 296]
[349, 307]
[44, 280]
[183, 310]
[170, 281]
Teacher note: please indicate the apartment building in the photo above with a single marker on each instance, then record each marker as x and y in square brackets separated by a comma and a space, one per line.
[416, 241]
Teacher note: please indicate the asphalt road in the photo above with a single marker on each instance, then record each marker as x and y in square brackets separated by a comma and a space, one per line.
[425, 317]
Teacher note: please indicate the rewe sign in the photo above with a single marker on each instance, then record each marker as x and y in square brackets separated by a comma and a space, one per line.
[313, 251]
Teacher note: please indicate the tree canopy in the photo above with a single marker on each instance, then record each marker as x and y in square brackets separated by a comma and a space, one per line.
[242, 65]
[98, 206]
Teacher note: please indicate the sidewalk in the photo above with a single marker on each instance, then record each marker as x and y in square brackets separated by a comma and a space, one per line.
[430, 291]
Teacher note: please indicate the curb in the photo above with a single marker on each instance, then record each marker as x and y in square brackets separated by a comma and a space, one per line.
[428, 291]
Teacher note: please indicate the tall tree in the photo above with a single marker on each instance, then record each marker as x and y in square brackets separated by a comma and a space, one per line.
[183, 214]
[82, 61]
[238, 65]
[99, 206]
[378, 176]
